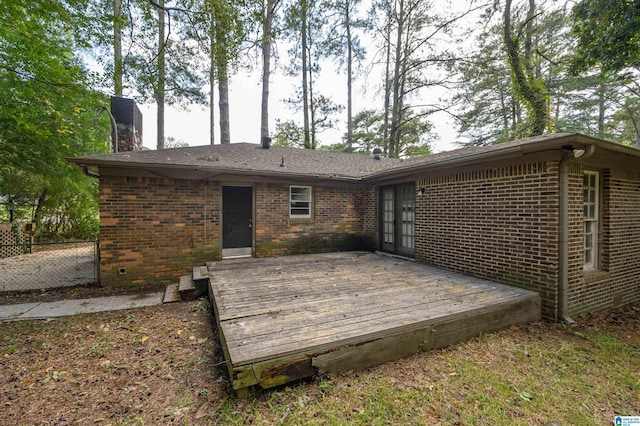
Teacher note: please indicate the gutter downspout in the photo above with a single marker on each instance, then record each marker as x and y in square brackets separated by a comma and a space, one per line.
[563, 237]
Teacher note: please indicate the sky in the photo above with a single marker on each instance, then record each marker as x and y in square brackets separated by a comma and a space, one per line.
[192, 125]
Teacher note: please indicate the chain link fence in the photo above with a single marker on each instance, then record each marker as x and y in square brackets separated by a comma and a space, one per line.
[35, 266]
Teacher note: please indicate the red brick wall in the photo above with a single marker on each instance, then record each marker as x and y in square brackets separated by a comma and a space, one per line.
[337, 222]
[499, 224]
[617, 280]
[371, 205]
[159, 228]
[156, 228]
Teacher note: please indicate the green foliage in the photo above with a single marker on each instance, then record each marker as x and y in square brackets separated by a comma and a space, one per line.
[624, 124]
[608, 33]
[490, 111]
[527, 86]
[367, 131]
[288, 133]
[592, 104]
[415, 135]
[48, 112]
[171, 142]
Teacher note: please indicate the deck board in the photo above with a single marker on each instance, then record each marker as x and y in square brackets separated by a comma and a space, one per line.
[291, 316]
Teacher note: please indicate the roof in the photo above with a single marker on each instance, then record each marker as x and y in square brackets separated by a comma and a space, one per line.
[248, 159]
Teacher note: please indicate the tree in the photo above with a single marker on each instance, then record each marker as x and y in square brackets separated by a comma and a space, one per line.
[367, 135]
[528, 87]
[608, 33]
[159, 87]
[118, 67]
[343, 44]
[161, 62]
[490, 113]
[223, 25]
[289, 134]
[267, 15]
[48, 112]
[414, 141]
[306, 35]
[411, 43]
[172, 142]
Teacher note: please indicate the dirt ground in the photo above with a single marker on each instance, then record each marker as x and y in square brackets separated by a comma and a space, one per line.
[156, 364]
[163, 365]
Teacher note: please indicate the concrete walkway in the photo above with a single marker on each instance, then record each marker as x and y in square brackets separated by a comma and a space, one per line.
[44, 310]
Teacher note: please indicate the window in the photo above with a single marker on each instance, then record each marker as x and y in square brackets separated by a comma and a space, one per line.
[300, 200]
[590, 208]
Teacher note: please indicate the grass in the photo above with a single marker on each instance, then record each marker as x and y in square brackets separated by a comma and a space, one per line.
[536, 374]
[540, 374]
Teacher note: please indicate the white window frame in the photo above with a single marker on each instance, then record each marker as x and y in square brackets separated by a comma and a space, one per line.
[591, 217]
[297, 201]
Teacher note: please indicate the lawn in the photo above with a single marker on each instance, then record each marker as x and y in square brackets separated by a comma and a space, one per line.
[160, 365]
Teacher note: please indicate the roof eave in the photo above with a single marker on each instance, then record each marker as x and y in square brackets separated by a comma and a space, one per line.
[507, 152]
[215, 171]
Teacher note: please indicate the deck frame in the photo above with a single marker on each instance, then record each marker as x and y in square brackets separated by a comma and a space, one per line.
[283, 319]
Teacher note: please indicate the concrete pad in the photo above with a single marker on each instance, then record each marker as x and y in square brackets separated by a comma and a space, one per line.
[8, 312]
[80, 306]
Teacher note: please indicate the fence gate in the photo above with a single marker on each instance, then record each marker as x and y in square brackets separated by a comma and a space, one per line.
[34, 266]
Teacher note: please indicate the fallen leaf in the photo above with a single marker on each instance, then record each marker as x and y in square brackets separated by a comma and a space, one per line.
[144, 338]
[526, 396]
[203, 410]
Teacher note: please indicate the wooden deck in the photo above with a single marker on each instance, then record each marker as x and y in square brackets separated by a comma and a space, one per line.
[282, 319]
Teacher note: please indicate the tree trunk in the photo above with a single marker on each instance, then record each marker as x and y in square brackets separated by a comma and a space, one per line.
[118, 69]
[267, 24]
[387, 86]
[515, 114]
[396, 107]
[223, 76]
[161, 77]
[349, 76]
[601, 107]
[532, 92]
[212, 105]
[223, 104]
[528, 35]
[312, 105]
[212, 75]
[305, 65]
[36, 214]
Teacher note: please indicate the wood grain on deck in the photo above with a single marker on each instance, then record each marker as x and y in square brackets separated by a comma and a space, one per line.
[270, 309]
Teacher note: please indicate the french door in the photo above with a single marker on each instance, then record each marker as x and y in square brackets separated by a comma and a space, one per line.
[397, 218]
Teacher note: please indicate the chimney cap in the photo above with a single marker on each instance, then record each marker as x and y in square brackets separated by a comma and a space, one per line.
[266, 142]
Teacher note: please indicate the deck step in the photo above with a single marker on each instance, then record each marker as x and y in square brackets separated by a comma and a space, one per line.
[187, 288]
[190, 288]
[200, 273]
[171, 294]
[186, 283]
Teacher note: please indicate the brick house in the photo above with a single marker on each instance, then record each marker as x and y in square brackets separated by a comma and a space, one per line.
[558, 214]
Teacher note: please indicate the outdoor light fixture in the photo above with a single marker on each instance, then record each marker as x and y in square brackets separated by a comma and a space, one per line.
[577, 153]
[571, 152]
